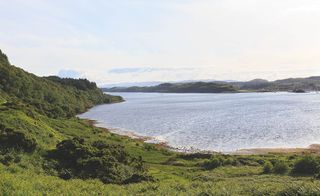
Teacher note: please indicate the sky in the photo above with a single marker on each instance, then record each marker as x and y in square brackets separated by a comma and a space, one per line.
[115, 41]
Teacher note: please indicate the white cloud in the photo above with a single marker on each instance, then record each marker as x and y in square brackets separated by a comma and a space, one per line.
[68, 73]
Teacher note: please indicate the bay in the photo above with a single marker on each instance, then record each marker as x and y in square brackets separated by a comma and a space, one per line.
[217, 122]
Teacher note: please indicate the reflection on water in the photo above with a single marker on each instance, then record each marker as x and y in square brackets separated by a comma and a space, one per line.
[220, 122]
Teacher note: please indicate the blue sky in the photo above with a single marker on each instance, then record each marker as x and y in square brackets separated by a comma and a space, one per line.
[111, 41]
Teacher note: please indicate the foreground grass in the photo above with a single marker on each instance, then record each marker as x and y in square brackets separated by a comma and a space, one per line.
[223, 181]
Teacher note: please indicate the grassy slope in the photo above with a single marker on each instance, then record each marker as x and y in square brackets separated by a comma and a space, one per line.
[175, 175]
[186, 178]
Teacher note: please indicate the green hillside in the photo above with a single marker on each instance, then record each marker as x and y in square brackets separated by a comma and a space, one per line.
[46, 150]
[38, 129]
[51, 96]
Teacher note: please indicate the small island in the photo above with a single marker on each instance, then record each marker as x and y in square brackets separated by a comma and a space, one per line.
[299, 91]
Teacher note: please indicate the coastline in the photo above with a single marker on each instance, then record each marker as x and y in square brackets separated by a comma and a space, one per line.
[311, 149]
[224, 92]
[146, 139]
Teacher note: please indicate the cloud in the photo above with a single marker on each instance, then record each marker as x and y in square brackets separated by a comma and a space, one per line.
[127, 70]
[67, 73]
[132, 70]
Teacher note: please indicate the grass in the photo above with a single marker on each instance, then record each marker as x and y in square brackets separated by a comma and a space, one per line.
[172, 181]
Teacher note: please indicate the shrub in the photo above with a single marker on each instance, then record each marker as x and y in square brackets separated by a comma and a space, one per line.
[228, 161]
[307, 165]
[10, 157]
[149, 147]
[268, 167]
[16, 140]
[212, 163]
[6, 159]
[280, 167]
[190, 156]
[77, 158]
[250, 161]
[261, 162]
[65, 174]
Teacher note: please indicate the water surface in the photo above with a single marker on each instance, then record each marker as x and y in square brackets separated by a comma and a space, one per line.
[219, 122]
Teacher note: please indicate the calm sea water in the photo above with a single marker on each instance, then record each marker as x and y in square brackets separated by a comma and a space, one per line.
[219, 122]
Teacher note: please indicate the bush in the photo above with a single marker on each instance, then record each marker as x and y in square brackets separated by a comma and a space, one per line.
[228, 161]
[280, 167]
[309, 165]
[149, 147]
[190, 156]
[110, 163]
[16, 140]
[212, 163]
[268, 167]
[6, 159]
[250, 161]
[10, 157]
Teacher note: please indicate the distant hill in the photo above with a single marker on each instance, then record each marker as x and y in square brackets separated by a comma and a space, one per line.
[308, 84]
[256, 85]
[290, 84]
[129, 84]
[152, 83]
[193, 87]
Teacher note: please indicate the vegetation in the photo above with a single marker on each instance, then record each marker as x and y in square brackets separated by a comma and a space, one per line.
[280, 167]
[194, 87]
[81, 84]
[16, 140]
[109, 163]
[49, 96]
[297, 85]
[43, 153]
[268, 167]
[308, 165]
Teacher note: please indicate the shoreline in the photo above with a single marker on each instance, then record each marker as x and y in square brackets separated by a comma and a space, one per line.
[311, 149]
[226, 92]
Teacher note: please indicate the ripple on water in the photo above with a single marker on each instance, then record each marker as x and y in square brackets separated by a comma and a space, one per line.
[219, 122]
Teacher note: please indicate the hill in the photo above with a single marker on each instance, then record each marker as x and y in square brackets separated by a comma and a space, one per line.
[38, 129]
[51, 96]
[256, 85]
[290, 84]
[193, 87]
